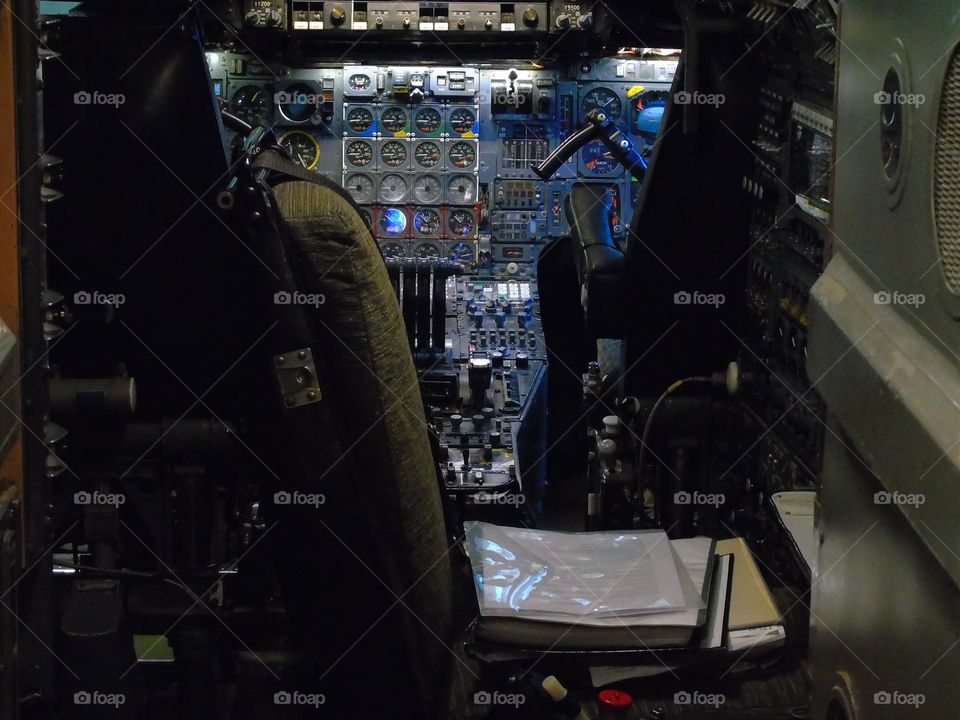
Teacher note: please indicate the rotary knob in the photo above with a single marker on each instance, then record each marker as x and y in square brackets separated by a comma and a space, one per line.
[531, 17]
[338, 15]
[406, 22]
[488, 24]
[461, 24]
[252, 17]
[273, 17]
[563, 22]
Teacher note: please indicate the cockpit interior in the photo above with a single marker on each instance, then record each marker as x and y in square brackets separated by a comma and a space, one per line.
[454, 359]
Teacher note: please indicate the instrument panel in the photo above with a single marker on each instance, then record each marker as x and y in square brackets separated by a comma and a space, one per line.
[439, 158]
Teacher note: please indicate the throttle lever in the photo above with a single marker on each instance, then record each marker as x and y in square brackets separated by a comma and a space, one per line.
[599, 127]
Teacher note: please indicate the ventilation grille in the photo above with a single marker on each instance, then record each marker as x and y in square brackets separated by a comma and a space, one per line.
[946, 185]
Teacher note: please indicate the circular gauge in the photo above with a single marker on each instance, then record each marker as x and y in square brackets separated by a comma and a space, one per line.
[359, 82]
[597, 159]
[298, 102]
[427, 222]
[462, 154]
[427, 120]
[360, 187]
[426, 250]
[367, 217]
[393, 221]
[251, 104]
[393, 153]
[427, 189]
[303, 148]
[395, 250]
[460, 222]
[427, 154]
[393, 188]
[603, 99]
[462, 253]
[393, 120]
[359, 119]
[462, 120]
[359, 153]
[462, 190]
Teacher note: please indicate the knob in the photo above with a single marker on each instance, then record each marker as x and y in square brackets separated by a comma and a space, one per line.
[523, 361]
[563, 22]
[252, 17]
[479, 375]
[585, 21]
[488, 24]
[338, 15]
[455, 421]
[406, 22]
[497, 359]
[461, 24]
[531, 17]
[379, 21]
[488, 453]
[273, 17]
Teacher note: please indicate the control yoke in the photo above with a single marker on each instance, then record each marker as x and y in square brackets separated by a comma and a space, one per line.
[599, 127]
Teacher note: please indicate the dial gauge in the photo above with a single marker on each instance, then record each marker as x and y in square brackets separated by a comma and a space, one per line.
[303, 148]
[359, 82]
[427, 222]
[462, 121]
[426, 250]
[462, 154]
[427, 189]
[598, 159]
[462, 190]
[393, 188]
[427, 154]
[393, 221]
[393, 120]
[393, 249]
[298, 102]
[462, 253]
[359, 119]
[603, 99]
[360, 187]
[427, 120]
[251, 104]
[460, 222]
[359, 153]
[393, 153]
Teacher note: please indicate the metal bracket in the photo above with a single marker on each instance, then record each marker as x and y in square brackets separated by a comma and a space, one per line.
[297, 376]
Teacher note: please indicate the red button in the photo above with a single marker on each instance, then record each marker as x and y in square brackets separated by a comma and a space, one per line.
[615, 699]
